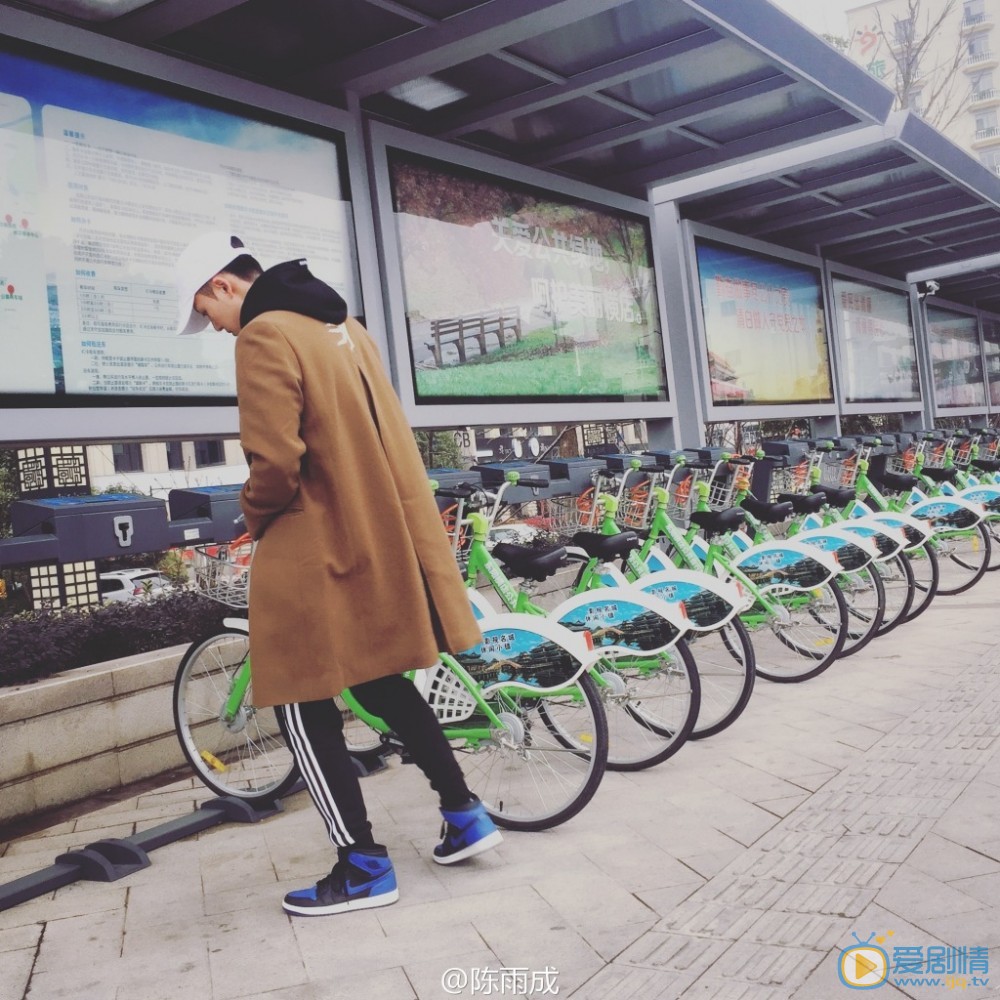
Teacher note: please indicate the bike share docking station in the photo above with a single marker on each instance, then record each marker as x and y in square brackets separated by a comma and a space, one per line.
[74, 529]
[113, 859]
[85, 528]
[54, 534]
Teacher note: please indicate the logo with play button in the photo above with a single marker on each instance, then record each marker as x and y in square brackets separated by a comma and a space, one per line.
[864, 966]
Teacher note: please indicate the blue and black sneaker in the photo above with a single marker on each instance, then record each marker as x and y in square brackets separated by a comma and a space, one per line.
[466, 831]
[364, 880]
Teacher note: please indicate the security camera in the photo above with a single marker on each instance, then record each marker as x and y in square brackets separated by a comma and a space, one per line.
[930, 288]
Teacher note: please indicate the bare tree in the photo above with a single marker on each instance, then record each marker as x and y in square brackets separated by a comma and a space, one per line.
[925, 72]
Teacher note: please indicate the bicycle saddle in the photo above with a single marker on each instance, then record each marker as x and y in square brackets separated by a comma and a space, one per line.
[607, 548]
[769, 513]
[834, 496]
[803, 503]
[894, 482]
[529, 562]
[940, 475]
[718, 522]
[987, 464]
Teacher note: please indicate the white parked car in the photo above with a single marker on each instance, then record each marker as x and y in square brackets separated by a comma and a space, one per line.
[132, 584]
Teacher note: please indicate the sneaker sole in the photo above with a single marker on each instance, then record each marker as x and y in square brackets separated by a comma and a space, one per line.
[487, 842]
[366, 903]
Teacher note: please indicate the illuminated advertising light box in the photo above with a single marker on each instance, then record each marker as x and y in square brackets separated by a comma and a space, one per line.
[764, 328]
[104, 178]
[880, 352]
[991, 348]
[516, 294]
[956, 359]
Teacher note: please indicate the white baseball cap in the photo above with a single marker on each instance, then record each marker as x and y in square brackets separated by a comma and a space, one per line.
[202, 259]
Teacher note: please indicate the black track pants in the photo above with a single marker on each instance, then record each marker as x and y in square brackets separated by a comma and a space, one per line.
[314, 731]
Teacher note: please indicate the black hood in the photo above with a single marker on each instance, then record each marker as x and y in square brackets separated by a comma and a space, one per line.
[290, 287]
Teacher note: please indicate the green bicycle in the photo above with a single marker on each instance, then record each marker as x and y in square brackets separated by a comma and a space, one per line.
[525, 720]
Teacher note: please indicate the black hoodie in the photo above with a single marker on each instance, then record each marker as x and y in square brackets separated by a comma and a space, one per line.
[290, 287]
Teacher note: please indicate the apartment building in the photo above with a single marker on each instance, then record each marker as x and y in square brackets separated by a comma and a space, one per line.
[942, 57]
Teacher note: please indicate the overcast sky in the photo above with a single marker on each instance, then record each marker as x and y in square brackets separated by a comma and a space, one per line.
[820, 16]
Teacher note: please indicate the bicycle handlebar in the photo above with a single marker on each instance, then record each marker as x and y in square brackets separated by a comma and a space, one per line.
[534, 482]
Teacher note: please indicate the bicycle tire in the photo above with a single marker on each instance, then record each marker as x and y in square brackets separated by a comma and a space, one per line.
[897, 580]
[926, 574]
[993, 527]
[246, 758]
[962, 557]
[359, 738]
[527, 778]
[864, 595]
[651, 702]
[796, 650]
[727, 667]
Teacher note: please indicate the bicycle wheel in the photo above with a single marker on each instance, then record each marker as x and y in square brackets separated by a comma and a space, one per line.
[804, 638]
[359, 737]
[651, 702]
[727, 669]
[864, 595]
[962, 557]
[924, 567]
[246, 756]
[545, 762]
[993, 527]
[897, 582]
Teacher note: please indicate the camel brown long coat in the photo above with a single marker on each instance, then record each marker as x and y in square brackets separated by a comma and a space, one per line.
[353, 577]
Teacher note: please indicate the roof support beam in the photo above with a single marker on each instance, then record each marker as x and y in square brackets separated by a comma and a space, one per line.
[768, 165]
[989, 260]
[149, 24]
[814, 185]
[608, 75]
[739, 149]
[482, 30]
[674, 119]
[857, 206]
[946, 209]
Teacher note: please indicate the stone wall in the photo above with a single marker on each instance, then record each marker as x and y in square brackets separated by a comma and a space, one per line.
[87, 731]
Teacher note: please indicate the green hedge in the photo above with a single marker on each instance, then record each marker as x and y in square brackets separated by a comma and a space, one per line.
[37, 644]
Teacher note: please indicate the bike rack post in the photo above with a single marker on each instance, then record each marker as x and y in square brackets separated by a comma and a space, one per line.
[114, 859]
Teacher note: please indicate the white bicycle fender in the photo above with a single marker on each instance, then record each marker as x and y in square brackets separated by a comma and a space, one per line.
[853, 552]
[987, 496]
[947, 512]
[240, 624]
[788, 565]
[917, 533]
[887, 540]
[706, 601]
[530, 652]
[622, 620]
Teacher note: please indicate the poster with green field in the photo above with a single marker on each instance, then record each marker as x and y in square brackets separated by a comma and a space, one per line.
[518, 294]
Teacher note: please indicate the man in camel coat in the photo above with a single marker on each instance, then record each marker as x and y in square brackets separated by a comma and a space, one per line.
[353, 578]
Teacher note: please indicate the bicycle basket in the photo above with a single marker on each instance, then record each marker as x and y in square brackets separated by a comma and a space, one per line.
[902, 462]
[635, 507]
[222, 572]
[935, 457]
[567, 515]
[789, 479]
[840, 473]
[446, 694]
[679, 499]
[720, 492]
